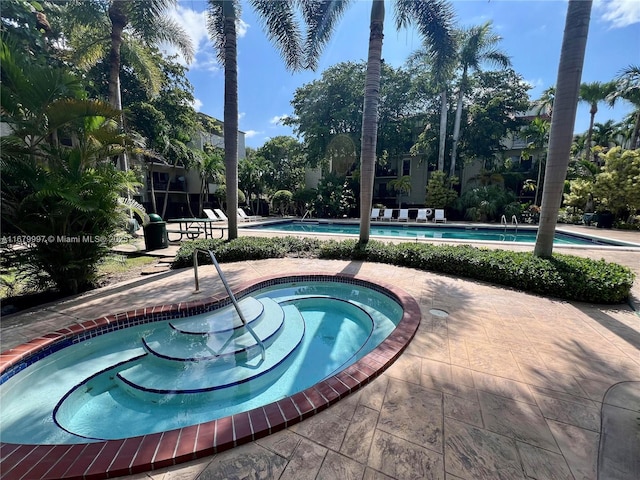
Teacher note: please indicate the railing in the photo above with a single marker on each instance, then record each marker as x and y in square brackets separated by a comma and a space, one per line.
[514, 221]
[308, 212]
[229, 292]
[503, 221]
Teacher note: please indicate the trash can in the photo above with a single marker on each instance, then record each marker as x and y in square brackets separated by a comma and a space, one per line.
[155, 233]
[605, 219]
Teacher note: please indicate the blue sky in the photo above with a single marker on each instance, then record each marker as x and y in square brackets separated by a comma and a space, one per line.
[531, 34]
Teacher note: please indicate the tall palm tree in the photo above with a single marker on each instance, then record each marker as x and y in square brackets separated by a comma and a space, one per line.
[477, 46]
[628, 88]
[297, 50]
[442, 72]
[574, 44]
[433, 19]
[98, 27]
[594, 93]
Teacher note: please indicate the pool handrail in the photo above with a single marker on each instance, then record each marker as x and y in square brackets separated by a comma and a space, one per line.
[229, 292]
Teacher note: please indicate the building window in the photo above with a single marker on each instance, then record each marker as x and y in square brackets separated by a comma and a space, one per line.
[406, 167]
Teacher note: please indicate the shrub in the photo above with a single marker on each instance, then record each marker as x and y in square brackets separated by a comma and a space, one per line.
[563, 276]
[282, 201]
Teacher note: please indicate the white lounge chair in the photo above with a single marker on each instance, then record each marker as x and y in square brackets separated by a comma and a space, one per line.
[375, 213]
[422, 215]
[210, 215]
[221, 214]
[388, 214]
[403, 215]
[242, 215]
[439, 216]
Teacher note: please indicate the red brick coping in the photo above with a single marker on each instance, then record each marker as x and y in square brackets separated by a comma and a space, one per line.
[113, 458]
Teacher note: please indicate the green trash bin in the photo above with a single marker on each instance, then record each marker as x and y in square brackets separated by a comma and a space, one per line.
[155, 233]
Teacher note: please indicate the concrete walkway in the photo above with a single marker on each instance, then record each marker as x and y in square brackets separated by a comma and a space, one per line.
[496, 384]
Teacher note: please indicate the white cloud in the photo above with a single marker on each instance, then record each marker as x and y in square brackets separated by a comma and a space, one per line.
[195, 25]
[197, 104]
[277, 119]
[241, 115]
[252, 133]
[619, 13]
[241, 28]
[535, 82]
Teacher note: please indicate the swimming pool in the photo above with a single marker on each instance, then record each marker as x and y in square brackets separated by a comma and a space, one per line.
[343, 332]
[521, 234]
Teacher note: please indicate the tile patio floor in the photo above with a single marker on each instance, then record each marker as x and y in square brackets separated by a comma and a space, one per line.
[506, 386]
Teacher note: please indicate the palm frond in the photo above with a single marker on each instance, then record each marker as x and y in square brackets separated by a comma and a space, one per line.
[168, 30]
[279, 23]
[320, 18]
[434, 20]
[146, 69]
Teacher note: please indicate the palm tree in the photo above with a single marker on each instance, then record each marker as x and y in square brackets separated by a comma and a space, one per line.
[442, 71]
[545, 103]
[284, 31]
[594, 93]
[537, 135]
[433, 19]
[401, 186]
[477, 45]
[564, 115]
[628, 88]
[136, 22]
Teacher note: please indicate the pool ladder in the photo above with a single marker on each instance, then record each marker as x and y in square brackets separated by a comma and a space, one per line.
[514, 221]
[229, 292]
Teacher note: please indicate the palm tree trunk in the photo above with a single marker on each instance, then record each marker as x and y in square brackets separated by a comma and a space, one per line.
[231, 116]
[370, 118]
[593, 111]
[564, 115]
[444, 110]
[119, 20]
[456, 125]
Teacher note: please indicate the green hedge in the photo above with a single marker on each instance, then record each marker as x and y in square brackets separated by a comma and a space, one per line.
[563, 276]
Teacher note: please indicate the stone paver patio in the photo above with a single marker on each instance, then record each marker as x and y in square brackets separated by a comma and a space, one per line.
[506, 386]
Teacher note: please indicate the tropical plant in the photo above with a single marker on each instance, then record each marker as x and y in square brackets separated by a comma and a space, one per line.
[544, 105]
[402, 186]
[486, 203]
[537, 135]
[580, 195]
[60, 189]
[433, 19]
[335, 197]
[594, 93]
[476, 46]
[440, 192]
[565, 105]
[617, 185]
[280, 22]
[211, 170]
[628, 88]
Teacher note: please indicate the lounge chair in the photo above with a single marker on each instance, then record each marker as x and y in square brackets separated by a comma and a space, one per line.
[422, 215]
[210, 215]
[439, 216]
[388, 214]
[403, 215]
[242, 215]
[221, 214]
[375, 213]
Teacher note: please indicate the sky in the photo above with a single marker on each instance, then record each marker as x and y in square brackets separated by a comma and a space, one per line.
[531, 32]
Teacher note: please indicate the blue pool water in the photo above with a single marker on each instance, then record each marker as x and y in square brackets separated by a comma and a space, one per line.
[170, 374]
[523, 234]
